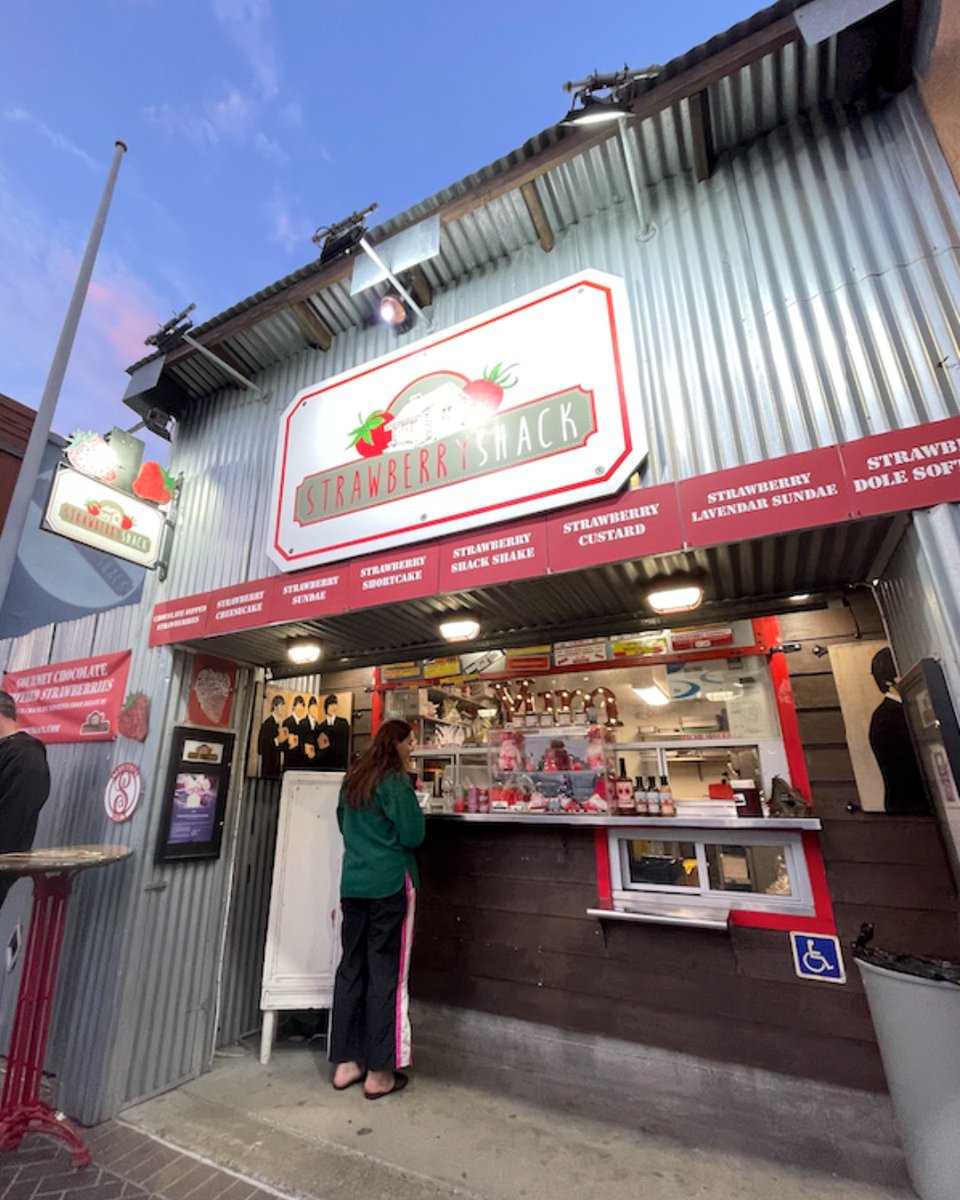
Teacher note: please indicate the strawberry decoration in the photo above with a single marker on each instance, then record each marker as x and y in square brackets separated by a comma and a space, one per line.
[93, 508]
[134, 717]
[372, 437]
[489, 390]
[154, 484]
[89, 453]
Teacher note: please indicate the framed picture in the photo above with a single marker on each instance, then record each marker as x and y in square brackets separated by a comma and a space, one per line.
[195, 798]
[299, 731]
[213, 684]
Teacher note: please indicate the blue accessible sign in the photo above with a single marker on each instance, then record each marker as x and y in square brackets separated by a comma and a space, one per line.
[818, 956]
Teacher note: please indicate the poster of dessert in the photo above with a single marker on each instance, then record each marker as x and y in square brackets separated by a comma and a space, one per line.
[213, 685]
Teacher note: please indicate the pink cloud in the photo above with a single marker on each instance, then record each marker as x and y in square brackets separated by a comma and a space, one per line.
[121, 318]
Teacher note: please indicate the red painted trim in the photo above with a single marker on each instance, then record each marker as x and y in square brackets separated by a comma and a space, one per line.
[601, 847]
[768, 635]
[822, 921]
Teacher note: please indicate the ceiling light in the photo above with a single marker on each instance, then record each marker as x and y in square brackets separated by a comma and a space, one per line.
[462, 627]
[652, 695]
[799, 597]
[303, 651]
[674, 594]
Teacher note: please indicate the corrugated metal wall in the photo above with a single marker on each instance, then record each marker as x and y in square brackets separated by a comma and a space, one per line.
[805, 295]
[920, 594]
[919, 597]
[138, 982]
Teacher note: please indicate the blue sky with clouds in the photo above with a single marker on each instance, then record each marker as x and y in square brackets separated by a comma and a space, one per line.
[250, 123]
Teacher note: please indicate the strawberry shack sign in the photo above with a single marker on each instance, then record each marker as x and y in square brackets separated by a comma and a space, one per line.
[524, 408]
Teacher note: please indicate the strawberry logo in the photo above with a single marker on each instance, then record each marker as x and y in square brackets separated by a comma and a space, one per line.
[154, 484]
[488, 391]
[134, 716]
[93, 508]
[371, 437]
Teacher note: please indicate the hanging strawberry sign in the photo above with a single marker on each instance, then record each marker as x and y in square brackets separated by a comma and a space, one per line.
[153, 483]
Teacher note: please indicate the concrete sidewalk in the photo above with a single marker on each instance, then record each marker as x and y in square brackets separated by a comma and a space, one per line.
[285, 1126]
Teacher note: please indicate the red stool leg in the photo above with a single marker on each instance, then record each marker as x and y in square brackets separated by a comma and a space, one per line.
[21, 1109]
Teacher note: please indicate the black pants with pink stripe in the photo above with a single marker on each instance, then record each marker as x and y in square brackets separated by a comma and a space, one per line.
[370, 1019]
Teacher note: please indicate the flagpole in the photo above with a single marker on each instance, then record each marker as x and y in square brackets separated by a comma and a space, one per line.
[16, 517]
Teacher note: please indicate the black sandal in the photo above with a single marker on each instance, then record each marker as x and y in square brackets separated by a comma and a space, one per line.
[400, 1081]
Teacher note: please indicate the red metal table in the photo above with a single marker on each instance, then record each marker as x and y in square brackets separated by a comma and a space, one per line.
[21, 1109]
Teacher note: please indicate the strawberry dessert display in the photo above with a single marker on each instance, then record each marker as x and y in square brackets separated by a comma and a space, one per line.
[154, 484]
[134, 716]
[89, 453]
[487, 392]
[372, 437]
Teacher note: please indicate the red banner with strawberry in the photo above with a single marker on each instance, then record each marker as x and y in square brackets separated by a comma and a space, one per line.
[75, 701]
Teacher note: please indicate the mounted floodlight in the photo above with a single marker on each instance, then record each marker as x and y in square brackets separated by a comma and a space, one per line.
[674, 594]
[340, 238]
[394, 312]
[462, 627]
[614, 109]
[595, 111]
[303, 651]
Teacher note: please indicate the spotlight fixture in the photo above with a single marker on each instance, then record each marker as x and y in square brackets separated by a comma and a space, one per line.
[615, 106]
[595, 111]
[342, 237]
[303, 651]
[460, 627]
[678, 593]
[394, 312]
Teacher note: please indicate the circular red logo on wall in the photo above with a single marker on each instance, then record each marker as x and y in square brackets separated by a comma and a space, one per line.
[122, 793]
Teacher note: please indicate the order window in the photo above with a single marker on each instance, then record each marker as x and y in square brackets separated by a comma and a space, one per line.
[758, 870]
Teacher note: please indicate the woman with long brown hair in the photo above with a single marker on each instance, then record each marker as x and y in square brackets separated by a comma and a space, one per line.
[382, 825]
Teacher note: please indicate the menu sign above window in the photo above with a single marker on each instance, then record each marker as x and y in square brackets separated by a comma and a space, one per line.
[523, 409]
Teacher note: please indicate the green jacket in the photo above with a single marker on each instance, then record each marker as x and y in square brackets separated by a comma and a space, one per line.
[378, 842]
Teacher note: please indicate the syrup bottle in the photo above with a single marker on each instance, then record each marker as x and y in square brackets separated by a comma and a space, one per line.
[623, 790]
[641, 797]
[667, 806]
[653, 798]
